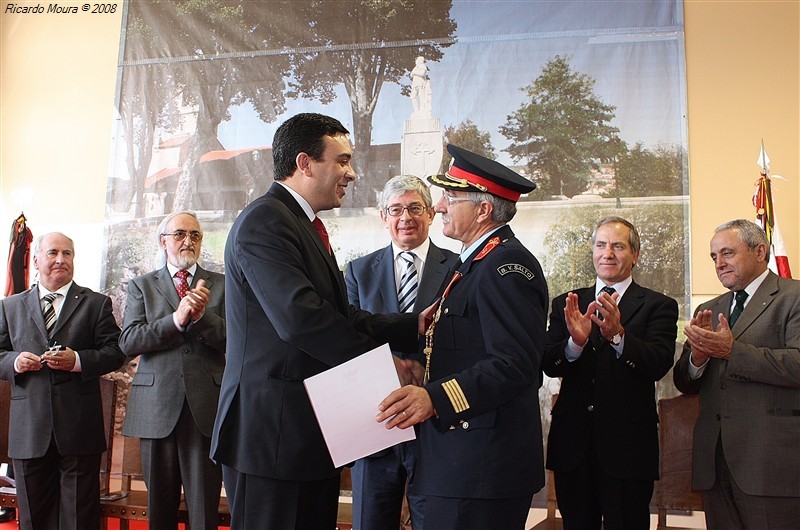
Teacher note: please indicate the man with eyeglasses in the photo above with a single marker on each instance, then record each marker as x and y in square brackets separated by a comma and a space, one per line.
[479, 452]
[402, 277]
[175, 321]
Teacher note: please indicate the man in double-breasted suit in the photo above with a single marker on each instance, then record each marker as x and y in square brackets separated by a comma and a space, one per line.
[609, 344]
[56, 427]
[177, 327]
[742, 355]
[409, 272]
[479, 452]
[288, 319]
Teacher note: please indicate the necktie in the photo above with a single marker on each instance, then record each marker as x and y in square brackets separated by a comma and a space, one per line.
[606, 289]
[407, 290]
[183, 285]
[323, 234]
[740, 296]
[49, 312]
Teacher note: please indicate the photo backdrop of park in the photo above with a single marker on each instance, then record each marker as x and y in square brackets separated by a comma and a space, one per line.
[587, 99]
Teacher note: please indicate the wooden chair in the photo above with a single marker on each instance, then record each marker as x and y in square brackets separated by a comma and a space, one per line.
[551, 522]
[677, 417]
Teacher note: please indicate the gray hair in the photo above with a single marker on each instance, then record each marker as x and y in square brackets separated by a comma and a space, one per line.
[503, 210]
[37, 243]
[750, 233]
[402, 183]
[633, 234]
[161, 253]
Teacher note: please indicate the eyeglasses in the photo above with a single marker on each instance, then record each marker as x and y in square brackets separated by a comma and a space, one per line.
[452, 200]
[397, 210]
[180, 235]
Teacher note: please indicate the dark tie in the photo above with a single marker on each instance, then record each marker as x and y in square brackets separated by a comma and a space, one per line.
[49, 312]
[183, 285]
[740, 296]
[606, 289]
[323, 234]
[407, 291]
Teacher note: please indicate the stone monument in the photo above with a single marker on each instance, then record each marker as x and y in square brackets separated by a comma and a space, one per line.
[421, 149]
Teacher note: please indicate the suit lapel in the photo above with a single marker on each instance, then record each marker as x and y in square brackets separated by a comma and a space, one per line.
[166, 287]
[631, 302]
[280, 193]
[31, 301]
[383, 269]
[435, 273]
[760, 301]
[75, 297]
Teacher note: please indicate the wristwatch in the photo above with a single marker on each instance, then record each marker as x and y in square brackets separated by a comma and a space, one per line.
[616, 340]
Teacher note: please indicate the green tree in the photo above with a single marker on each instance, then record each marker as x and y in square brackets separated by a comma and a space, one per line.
[467, 135]
[567, 260]
[644, 173]
[562, 131]
[362, 44]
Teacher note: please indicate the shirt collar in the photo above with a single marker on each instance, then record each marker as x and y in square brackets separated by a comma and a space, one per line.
[620, 287]
[62, 290]
[473, 247]
[753, 286]
[173, 269]
[309, 211]
[421, 252]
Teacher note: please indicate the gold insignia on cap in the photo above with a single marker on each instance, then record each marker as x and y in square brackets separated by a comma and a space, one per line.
[459, 184]
[465, 183]
[456, 395]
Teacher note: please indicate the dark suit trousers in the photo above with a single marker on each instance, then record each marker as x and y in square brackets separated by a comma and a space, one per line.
[729, 508]
[181, 458]
[261, 502]
[450, 513]
[588, 496]
[58, 492]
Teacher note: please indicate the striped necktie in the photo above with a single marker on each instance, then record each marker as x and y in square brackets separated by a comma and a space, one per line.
[407, 291]
[49, 312]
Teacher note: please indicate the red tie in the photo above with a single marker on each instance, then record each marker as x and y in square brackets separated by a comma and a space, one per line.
[183, 285]
[323, 234]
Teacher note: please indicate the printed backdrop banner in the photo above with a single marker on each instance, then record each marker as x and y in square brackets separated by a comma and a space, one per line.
[588, 99]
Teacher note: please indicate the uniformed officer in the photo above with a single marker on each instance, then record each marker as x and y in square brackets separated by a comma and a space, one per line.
[480, 441]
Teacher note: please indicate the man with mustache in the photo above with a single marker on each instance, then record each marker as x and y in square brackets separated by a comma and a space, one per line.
[289, 319]
[175, 322]
[742, 355]
[479, 458]
[56, 433]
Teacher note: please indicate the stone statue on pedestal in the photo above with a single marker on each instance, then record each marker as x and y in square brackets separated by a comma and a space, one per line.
[421, 149]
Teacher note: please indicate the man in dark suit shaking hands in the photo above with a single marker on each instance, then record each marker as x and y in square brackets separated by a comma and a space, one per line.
[405, 276]
[609, 344]
[288, 318]
[175, 321]
[56, 426]
[742, 355]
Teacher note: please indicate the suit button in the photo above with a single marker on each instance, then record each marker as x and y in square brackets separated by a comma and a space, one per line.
[723, 386]
[718, 418]
[446, 310]
[465, 425]
[590, 408]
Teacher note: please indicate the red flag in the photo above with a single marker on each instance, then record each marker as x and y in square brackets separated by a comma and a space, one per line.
[765, 213]
[18, 256]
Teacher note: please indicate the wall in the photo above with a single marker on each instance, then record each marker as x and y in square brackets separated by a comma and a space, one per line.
[58, 76]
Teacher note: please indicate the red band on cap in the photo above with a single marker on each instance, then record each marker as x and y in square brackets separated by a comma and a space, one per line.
[491, 187]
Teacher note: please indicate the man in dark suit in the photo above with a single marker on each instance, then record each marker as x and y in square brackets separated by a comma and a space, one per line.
[56, 426]
[288, 319]
[609, 344]
[408, 272]
[175, 321]
[480, 442]
[742, 355]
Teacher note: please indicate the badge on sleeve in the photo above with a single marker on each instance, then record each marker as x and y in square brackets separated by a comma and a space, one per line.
[515, 267]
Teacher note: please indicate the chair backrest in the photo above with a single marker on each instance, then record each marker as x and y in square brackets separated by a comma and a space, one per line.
[108, 395]
[677, 417]
[5, 410]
